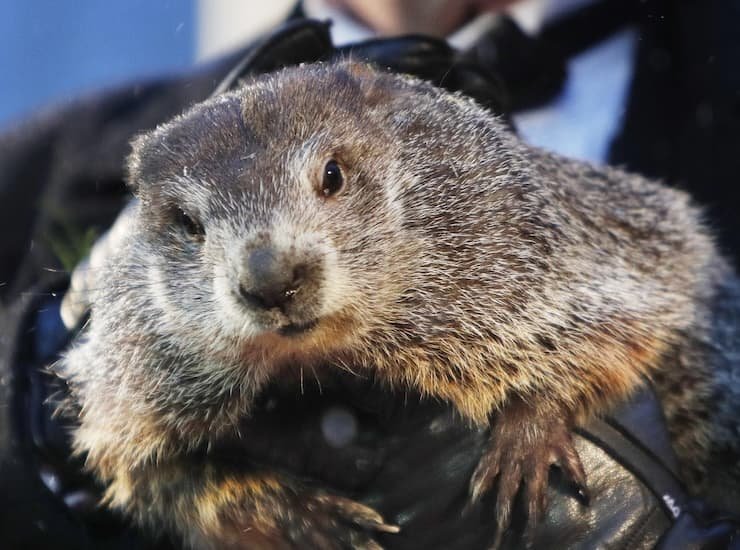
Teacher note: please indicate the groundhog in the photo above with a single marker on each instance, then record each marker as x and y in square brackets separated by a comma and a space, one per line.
[334, 216]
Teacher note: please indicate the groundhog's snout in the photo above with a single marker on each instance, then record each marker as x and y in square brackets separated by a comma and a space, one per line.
[268, 281]
[276, 283]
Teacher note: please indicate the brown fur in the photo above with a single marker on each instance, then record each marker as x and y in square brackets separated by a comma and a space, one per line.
[456, 260]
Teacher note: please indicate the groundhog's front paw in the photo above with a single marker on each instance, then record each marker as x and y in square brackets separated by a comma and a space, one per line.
[320, 520]
[523, 444]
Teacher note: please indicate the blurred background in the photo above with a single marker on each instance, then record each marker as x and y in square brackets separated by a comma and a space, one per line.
[52, 51]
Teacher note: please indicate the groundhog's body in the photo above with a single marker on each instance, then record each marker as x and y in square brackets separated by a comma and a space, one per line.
[329, 216]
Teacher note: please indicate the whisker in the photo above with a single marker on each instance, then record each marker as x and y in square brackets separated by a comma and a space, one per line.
[318, 382]
[345, 367]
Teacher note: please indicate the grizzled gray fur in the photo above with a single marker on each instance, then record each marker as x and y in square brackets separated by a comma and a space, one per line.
[337, 217]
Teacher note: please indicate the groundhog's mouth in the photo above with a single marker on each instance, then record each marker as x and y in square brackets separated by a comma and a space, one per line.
[297, 329]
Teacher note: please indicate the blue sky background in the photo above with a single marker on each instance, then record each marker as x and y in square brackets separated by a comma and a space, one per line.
[56, 49]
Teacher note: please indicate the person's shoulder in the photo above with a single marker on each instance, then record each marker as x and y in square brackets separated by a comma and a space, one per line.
[123, 109]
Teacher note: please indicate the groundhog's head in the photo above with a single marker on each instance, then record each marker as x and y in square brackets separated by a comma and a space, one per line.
[307, 206]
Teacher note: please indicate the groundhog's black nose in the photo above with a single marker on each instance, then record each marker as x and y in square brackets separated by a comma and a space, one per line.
[270, 282]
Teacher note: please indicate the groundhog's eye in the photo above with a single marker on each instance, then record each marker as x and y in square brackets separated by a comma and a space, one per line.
[332, 180]
[191, 226]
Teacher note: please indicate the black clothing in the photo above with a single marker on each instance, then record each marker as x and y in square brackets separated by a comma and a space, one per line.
[683, 114]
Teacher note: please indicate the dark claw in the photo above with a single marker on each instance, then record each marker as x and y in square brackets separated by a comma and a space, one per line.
[336, 522]
[583, 496]
[509, 481]
[536, 495]
[485, 474]
[515, 460]
[315, 519]
[356, 513]
[570, 464]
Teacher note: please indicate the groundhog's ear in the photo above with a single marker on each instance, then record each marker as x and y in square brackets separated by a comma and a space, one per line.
[373, 83]
[134, 163]
[360, 71]
[141, 163]
[380, 87]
